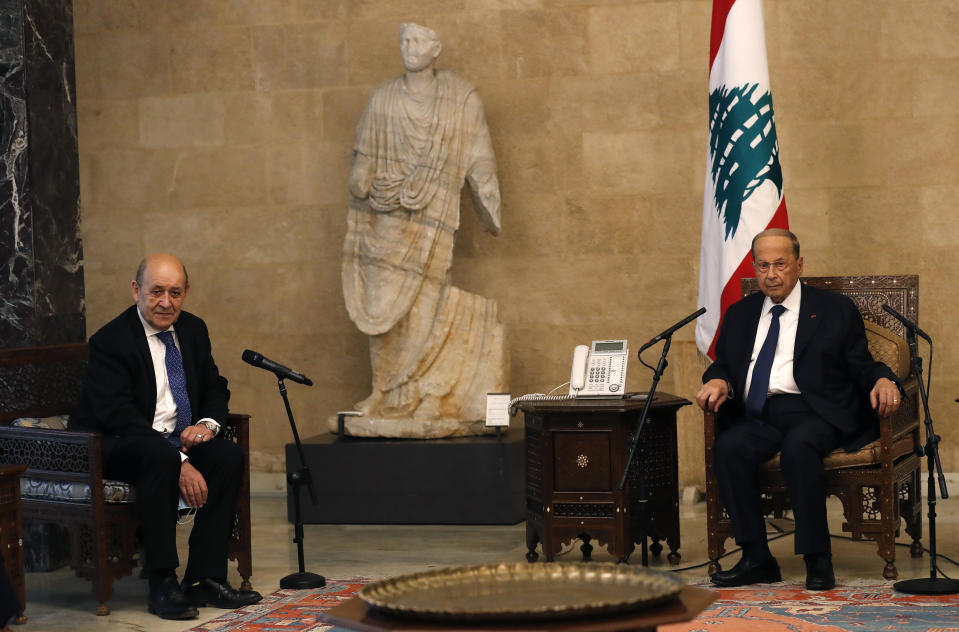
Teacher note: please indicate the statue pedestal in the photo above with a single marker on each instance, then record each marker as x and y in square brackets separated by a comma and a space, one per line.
[467, 480]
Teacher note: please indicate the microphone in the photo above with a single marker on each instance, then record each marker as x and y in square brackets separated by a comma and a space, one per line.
[669, 332]
[908, 324]
[257, 360]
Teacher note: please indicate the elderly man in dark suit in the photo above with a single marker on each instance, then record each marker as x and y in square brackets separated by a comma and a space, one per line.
[154, 392]
[793, 374]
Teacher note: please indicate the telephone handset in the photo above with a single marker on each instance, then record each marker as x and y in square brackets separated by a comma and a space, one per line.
[600, 370]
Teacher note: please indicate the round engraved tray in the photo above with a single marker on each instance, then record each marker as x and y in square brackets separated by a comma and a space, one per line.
[555, 590]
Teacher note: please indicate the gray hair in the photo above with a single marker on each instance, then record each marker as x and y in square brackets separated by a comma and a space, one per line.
[776, 232]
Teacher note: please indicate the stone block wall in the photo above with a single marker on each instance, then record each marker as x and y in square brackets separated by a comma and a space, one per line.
[221, 130]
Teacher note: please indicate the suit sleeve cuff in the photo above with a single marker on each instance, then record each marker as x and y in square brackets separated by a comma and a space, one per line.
[212, 424]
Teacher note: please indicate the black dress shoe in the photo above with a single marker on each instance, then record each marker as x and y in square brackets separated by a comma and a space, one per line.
[819, 575]
[167, 600]
[746, 572]
[219, 594]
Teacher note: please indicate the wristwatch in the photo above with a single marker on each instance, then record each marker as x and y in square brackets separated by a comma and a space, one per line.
[207, 425]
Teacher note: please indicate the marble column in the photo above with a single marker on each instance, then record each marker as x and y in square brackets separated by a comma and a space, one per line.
[41, 259]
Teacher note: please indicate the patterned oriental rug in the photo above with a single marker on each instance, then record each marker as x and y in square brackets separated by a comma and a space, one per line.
[778, 608]
[782, 608]
[286, 610]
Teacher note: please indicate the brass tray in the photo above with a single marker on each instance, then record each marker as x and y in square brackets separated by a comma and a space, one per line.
[524, 591]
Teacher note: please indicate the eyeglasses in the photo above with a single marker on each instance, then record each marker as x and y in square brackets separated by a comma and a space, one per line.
[779, 265]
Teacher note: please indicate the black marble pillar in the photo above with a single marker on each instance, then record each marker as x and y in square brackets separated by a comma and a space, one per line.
[41, 258]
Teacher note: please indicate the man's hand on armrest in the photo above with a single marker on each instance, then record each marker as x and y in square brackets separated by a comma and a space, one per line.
[712, 395]
[195, 435]
[884, 397]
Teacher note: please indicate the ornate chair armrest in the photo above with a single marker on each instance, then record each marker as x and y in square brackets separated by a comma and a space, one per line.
[908, 414]
[906, 417]
[709, 429]
[237, 428]
[905, 420]
[714, 542]
[44, 450]
[709, 441]
[55, 454]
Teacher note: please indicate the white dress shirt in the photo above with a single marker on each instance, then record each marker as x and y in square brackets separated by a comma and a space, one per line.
[164, 418]
[781, 378]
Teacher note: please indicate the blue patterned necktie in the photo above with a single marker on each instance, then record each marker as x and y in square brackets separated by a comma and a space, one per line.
[756, 398]
[177, 379]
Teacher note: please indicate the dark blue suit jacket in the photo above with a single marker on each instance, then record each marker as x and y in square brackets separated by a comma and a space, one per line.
[119, 395]
[831, 364]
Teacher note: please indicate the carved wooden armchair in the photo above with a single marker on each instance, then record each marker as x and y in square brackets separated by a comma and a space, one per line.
[64, 481]
[878, 485]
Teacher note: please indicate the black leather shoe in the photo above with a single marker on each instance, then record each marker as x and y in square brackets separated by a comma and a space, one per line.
[219, 595]
[167, 600]
[819, 575]
[746, 572]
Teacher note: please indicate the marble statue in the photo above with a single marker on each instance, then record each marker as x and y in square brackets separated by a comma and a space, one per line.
[436, 350]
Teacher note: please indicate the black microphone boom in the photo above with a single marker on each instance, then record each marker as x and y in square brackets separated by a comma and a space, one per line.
[669, 332]
[257, 360]
[908, 324]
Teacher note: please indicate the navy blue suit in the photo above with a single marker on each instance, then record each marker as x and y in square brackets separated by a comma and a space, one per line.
[119, 401]
[835, 373]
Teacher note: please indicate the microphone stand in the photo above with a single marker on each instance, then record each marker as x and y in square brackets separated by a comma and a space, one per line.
[657, 373]
[296, 479]
[640, 479]
[934, 585]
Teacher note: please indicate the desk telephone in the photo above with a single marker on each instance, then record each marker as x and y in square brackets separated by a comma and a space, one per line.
[600, 370]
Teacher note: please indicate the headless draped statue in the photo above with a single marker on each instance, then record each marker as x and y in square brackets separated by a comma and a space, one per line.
[436, 350]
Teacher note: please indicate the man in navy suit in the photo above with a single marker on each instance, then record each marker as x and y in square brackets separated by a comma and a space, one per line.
[154, 392]
[793, 374]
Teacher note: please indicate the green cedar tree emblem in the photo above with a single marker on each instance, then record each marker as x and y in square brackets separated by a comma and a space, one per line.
[743, 149]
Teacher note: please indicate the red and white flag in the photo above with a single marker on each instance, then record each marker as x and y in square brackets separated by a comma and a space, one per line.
[744, 181]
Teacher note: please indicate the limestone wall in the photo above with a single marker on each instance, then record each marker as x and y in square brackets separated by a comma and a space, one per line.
[221, 130]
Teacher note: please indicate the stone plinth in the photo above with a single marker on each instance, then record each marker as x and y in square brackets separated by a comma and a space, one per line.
[467, 480]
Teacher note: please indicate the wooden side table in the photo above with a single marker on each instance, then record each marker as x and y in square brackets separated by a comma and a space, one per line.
[575, 454]
[11, 533]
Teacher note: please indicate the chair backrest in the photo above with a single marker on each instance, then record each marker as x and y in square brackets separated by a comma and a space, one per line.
[869, 293]
[41, 381]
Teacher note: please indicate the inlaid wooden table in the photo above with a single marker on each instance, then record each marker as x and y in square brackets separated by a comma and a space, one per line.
[575, 454]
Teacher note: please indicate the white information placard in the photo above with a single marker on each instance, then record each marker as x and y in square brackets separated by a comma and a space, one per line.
[497, 410]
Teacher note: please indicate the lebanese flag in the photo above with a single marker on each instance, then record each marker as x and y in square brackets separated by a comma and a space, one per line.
[744, 180]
